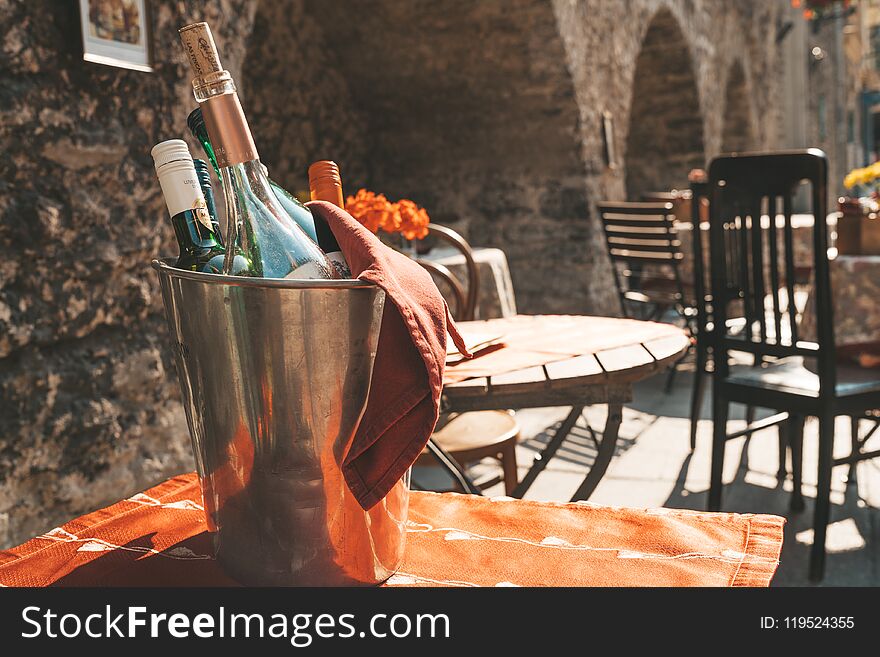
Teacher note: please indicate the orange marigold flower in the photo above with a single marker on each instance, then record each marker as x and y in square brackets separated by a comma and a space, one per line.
[376, 212]
[414, 220]
[373, 210]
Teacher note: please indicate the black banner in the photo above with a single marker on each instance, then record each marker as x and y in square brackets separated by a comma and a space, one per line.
[404, 621]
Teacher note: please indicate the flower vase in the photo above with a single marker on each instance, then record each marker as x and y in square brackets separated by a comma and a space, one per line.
[408, 247]
[858, 227]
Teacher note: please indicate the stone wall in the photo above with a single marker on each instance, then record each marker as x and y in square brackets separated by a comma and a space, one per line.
[472, 113]
[297, 101]
[488, 113]
[833, 103]
[737, 135]
[89, 405]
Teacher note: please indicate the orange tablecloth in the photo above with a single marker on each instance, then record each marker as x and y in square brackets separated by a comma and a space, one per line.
[159, 538]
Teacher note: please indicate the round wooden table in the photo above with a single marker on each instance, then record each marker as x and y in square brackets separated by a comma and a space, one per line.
[562, 360]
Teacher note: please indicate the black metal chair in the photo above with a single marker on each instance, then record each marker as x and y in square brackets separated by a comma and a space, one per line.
[798, 377]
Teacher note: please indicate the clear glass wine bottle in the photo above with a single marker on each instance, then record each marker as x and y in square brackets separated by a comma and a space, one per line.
[297, 211]
[273, 243]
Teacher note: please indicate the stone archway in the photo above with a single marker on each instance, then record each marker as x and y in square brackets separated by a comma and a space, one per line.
[737, 133]
[665, 136]
[484, 132]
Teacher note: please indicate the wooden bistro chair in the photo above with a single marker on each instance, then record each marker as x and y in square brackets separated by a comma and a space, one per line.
[474, 436]
[646, 257]
[646, 254]
[794, 376]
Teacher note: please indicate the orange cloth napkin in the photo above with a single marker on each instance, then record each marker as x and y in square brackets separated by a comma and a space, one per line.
[159, 538]
[404, 400]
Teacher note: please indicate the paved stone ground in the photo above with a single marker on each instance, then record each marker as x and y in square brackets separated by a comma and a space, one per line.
[654, 467]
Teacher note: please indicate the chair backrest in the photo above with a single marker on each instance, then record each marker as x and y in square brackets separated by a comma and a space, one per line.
[465, 294]
[639, 234]
[702, 287]
[753, 257]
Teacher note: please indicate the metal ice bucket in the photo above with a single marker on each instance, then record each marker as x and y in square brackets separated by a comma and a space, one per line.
[275, 376]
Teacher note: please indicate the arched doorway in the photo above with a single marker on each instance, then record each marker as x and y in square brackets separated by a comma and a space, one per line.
[737, 133]
[665, 136]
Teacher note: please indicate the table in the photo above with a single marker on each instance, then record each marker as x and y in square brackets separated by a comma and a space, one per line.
[855, 288]
[495, 298]
[159, 538]
[563, 360]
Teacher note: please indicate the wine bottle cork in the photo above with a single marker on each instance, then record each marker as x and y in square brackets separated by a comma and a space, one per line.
[199, 45]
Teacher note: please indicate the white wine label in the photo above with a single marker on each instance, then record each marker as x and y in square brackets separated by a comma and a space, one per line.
[309, 270]
[203, 217]
[183, 192]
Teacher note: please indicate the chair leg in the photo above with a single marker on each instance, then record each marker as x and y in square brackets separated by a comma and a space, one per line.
[670, 378]
[750, 415]
[795, 426]
[697, 394]
[720, 409]
[784, 443]
[822, 511]
[856, 448]
[508, 464]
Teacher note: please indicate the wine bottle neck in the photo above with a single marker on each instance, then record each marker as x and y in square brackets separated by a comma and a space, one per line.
[199, 130]
[192, 236]
[228, 130]
[325, 183]
[186, 204]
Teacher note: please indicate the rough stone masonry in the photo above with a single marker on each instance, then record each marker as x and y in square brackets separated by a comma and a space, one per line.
[487, 113]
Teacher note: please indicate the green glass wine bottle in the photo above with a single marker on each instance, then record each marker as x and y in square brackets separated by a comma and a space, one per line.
[297, 211]
[200, 246]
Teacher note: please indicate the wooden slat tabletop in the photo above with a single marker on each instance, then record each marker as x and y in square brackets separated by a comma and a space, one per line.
[554, 352]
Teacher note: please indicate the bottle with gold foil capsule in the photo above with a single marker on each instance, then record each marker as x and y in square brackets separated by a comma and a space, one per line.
[201, 248]
[325, 184]
[273, 243]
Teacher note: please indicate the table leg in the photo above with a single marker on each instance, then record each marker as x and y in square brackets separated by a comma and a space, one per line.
[603, 458]
[547, 453]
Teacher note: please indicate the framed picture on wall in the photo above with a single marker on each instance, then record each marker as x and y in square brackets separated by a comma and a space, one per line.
[116, 33]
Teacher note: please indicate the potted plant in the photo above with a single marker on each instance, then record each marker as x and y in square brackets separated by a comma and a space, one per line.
[858, 228]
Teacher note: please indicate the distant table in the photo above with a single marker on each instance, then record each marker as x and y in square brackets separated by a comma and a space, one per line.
[495, 298]
[562, 360]
[855, 289]
[159, 538]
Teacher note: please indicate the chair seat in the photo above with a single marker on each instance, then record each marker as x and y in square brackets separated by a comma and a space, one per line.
[477, 432]
[471, 437]
[661, 290]
[799, 376]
